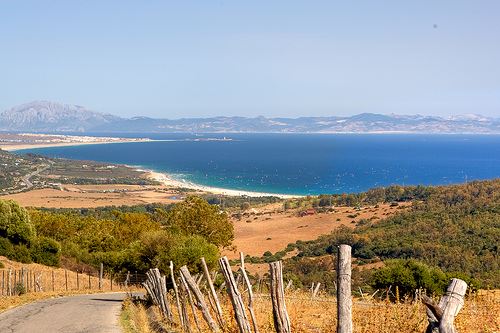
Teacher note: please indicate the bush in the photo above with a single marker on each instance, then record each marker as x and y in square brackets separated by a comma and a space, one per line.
[15, 223]
[46, 251]
[195, 216]
[19, 289]
[21, 253]
[6, 247]
[409, 275]
[188, 252]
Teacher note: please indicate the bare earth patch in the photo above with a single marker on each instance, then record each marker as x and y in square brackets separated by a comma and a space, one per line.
[88, 196]
[267, 229]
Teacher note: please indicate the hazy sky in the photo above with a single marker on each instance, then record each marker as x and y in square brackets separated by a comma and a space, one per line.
[274, 58]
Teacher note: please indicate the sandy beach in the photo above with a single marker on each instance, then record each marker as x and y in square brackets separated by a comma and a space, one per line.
[15, 147]
[170, 182]
[33, 141]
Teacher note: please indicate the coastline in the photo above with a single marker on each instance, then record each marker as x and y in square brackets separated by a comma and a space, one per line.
[16, 147]
[164, 179]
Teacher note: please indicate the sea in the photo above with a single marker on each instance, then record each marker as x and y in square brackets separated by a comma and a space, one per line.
[301, 164]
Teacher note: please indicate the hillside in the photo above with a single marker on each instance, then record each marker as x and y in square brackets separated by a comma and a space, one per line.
[54, 117]
[454, 228]
[23, 172]
[45, 116]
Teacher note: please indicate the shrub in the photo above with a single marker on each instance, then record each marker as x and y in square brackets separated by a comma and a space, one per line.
[46, 251]
[19, 289]
[188, 252]
[6, 247]
[195, 216]
[21, 253]
[15, 223]
[409, 275]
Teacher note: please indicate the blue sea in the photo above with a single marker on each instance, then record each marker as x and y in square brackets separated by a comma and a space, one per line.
[303, 163]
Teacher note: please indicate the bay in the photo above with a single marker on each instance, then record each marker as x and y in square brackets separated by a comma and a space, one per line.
[302, 164]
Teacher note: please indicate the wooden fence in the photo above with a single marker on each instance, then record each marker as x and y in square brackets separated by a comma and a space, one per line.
[14, 282]
[190, 295]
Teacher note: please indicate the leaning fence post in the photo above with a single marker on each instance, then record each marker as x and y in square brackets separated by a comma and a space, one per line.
[191, 303]
[200, 299]
[250, 293]
[344, 301]
[280, 315]
[442, 316]
[176, 290]
[235, 296]
[220, 316]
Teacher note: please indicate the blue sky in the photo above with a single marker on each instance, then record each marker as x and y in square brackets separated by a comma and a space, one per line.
[273, 58]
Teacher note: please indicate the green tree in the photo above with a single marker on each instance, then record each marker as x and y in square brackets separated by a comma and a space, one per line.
[409, 275]
[46, 251]
[195, 216]
[15, 223]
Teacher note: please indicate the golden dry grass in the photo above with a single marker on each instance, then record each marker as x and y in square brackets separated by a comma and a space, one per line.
[134, 318]
[76, 283]
[480, 314]
[90, 196]
[270, 229]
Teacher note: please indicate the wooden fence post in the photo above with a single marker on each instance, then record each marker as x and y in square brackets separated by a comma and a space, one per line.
[235, 296]
[66, 279]
[316, 289]
[344, 300]
[127, 279]
[101, 272]
[441, 317]
[77, 280]
[191, 303]
[157, 289]
[218, 308]
[10, 282]
[53, 286]
[201, 303]
[280, 315]
[250, 293]
[176, 291]
[184, 313]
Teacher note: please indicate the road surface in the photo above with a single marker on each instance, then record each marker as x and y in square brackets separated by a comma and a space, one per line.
[84, 313]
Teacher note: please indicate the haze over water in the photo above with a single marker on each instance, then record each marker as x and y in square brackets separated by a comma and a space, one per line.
[304, 163]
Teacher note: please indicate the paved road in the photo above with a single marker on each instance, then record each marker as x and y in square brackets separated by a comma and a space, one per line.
[84, 313]
[26, 179]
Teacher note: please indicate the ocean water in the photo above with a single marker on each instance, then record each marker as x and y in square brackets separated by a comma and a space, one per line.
[304, 163]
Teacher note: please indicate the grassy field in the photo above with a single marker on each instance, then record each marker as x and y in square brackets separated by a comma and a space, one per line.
[77, 283]
[479, 314]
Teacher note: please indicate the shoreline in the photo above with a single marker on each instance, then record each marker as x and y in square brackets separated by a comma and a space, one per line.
[164, 179]
[17, 147]
[160, 177]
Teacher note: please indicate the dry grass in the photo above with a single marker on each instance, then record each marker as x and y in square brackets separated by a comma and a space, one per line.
[77, 283]
[134, 318]
[89, 196]
[264, 229]
[479, 314]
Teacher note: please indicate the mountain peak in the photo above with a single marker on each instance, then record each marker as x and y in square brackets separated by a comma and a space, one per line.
[50, 116]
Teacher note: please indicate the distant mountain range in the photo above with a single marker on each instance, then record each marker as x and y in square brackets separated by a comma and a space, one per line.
[44, 116]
